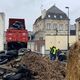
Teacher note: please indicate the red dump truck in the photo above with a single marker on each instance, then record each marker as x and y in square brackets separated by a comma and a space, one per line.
[16, 34]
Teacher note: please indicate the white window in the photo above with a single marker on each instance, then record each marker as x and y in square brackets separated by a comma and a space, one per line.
[49, 16]
[54, 26]
[60, 27]
[61, 16]
[48, 25]
[54, 16]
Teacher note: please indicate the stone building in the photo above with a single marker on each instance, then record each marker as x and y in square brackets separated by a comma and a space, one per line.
[2, 29]
[31, 42]
[78, 28]
[52, 28]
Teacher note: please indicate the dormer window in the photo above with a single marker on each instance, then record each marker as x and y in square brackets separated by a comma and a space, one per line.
[49, 16]
[61, 16]
[54, 16]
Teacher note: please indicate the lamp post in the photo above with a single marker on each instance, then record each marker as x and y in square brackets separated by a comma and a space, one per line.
[68, 30]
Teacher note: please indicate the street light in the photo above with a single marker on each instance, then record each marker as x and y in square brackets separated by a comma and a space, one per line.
[68, 29]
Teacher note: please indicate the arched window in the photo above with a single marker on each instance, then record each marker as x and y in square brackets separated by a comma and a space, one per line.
[54, 16]
[61, 16]
[61, 27]
[49, 16]
[54, 26]
[48, 25]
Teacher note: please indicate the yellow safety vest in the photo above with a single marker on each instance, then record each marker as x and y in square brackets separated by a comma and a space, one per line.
[54, 51]
[51, 50]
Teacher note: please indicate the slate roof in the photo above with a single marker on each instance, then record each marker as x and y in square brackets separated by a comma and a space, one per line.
[78, 19]
[55, 14]
[55, 10]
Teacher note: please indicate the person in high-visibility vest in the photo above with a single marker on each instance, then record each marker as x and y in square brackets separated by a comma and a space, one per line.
[61, 55]
[59, 52]
[53, 53]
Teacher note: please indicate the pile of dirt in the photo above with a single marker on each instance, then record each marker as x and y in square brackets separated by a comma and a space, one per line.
[43, 68]
[73, 68]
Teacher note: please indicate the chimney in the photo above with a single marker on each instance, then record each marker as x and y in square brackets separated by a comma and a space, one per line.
[43, 12]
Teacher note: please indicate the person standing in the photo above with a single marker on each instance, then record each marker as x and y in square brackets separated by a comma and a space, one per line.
[58, 52]
[61, 55]
[53, 53]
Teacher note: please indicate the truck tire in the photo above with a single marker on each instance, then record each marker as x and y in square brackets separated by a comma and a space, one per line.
[3, 61]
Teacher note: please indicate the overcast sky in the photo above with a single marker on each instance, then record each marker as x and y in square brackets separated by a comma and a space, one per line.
[31, 9]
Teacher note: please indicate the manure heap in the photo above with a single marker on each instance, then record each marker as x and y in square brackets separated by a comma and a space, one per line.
[43, 68]
[73, 69]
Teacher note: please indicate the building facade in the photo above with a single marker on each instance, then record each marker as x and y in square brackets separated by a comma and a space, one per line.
[2, 29]
[31, 42]
[78, 28]
[52, 27]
